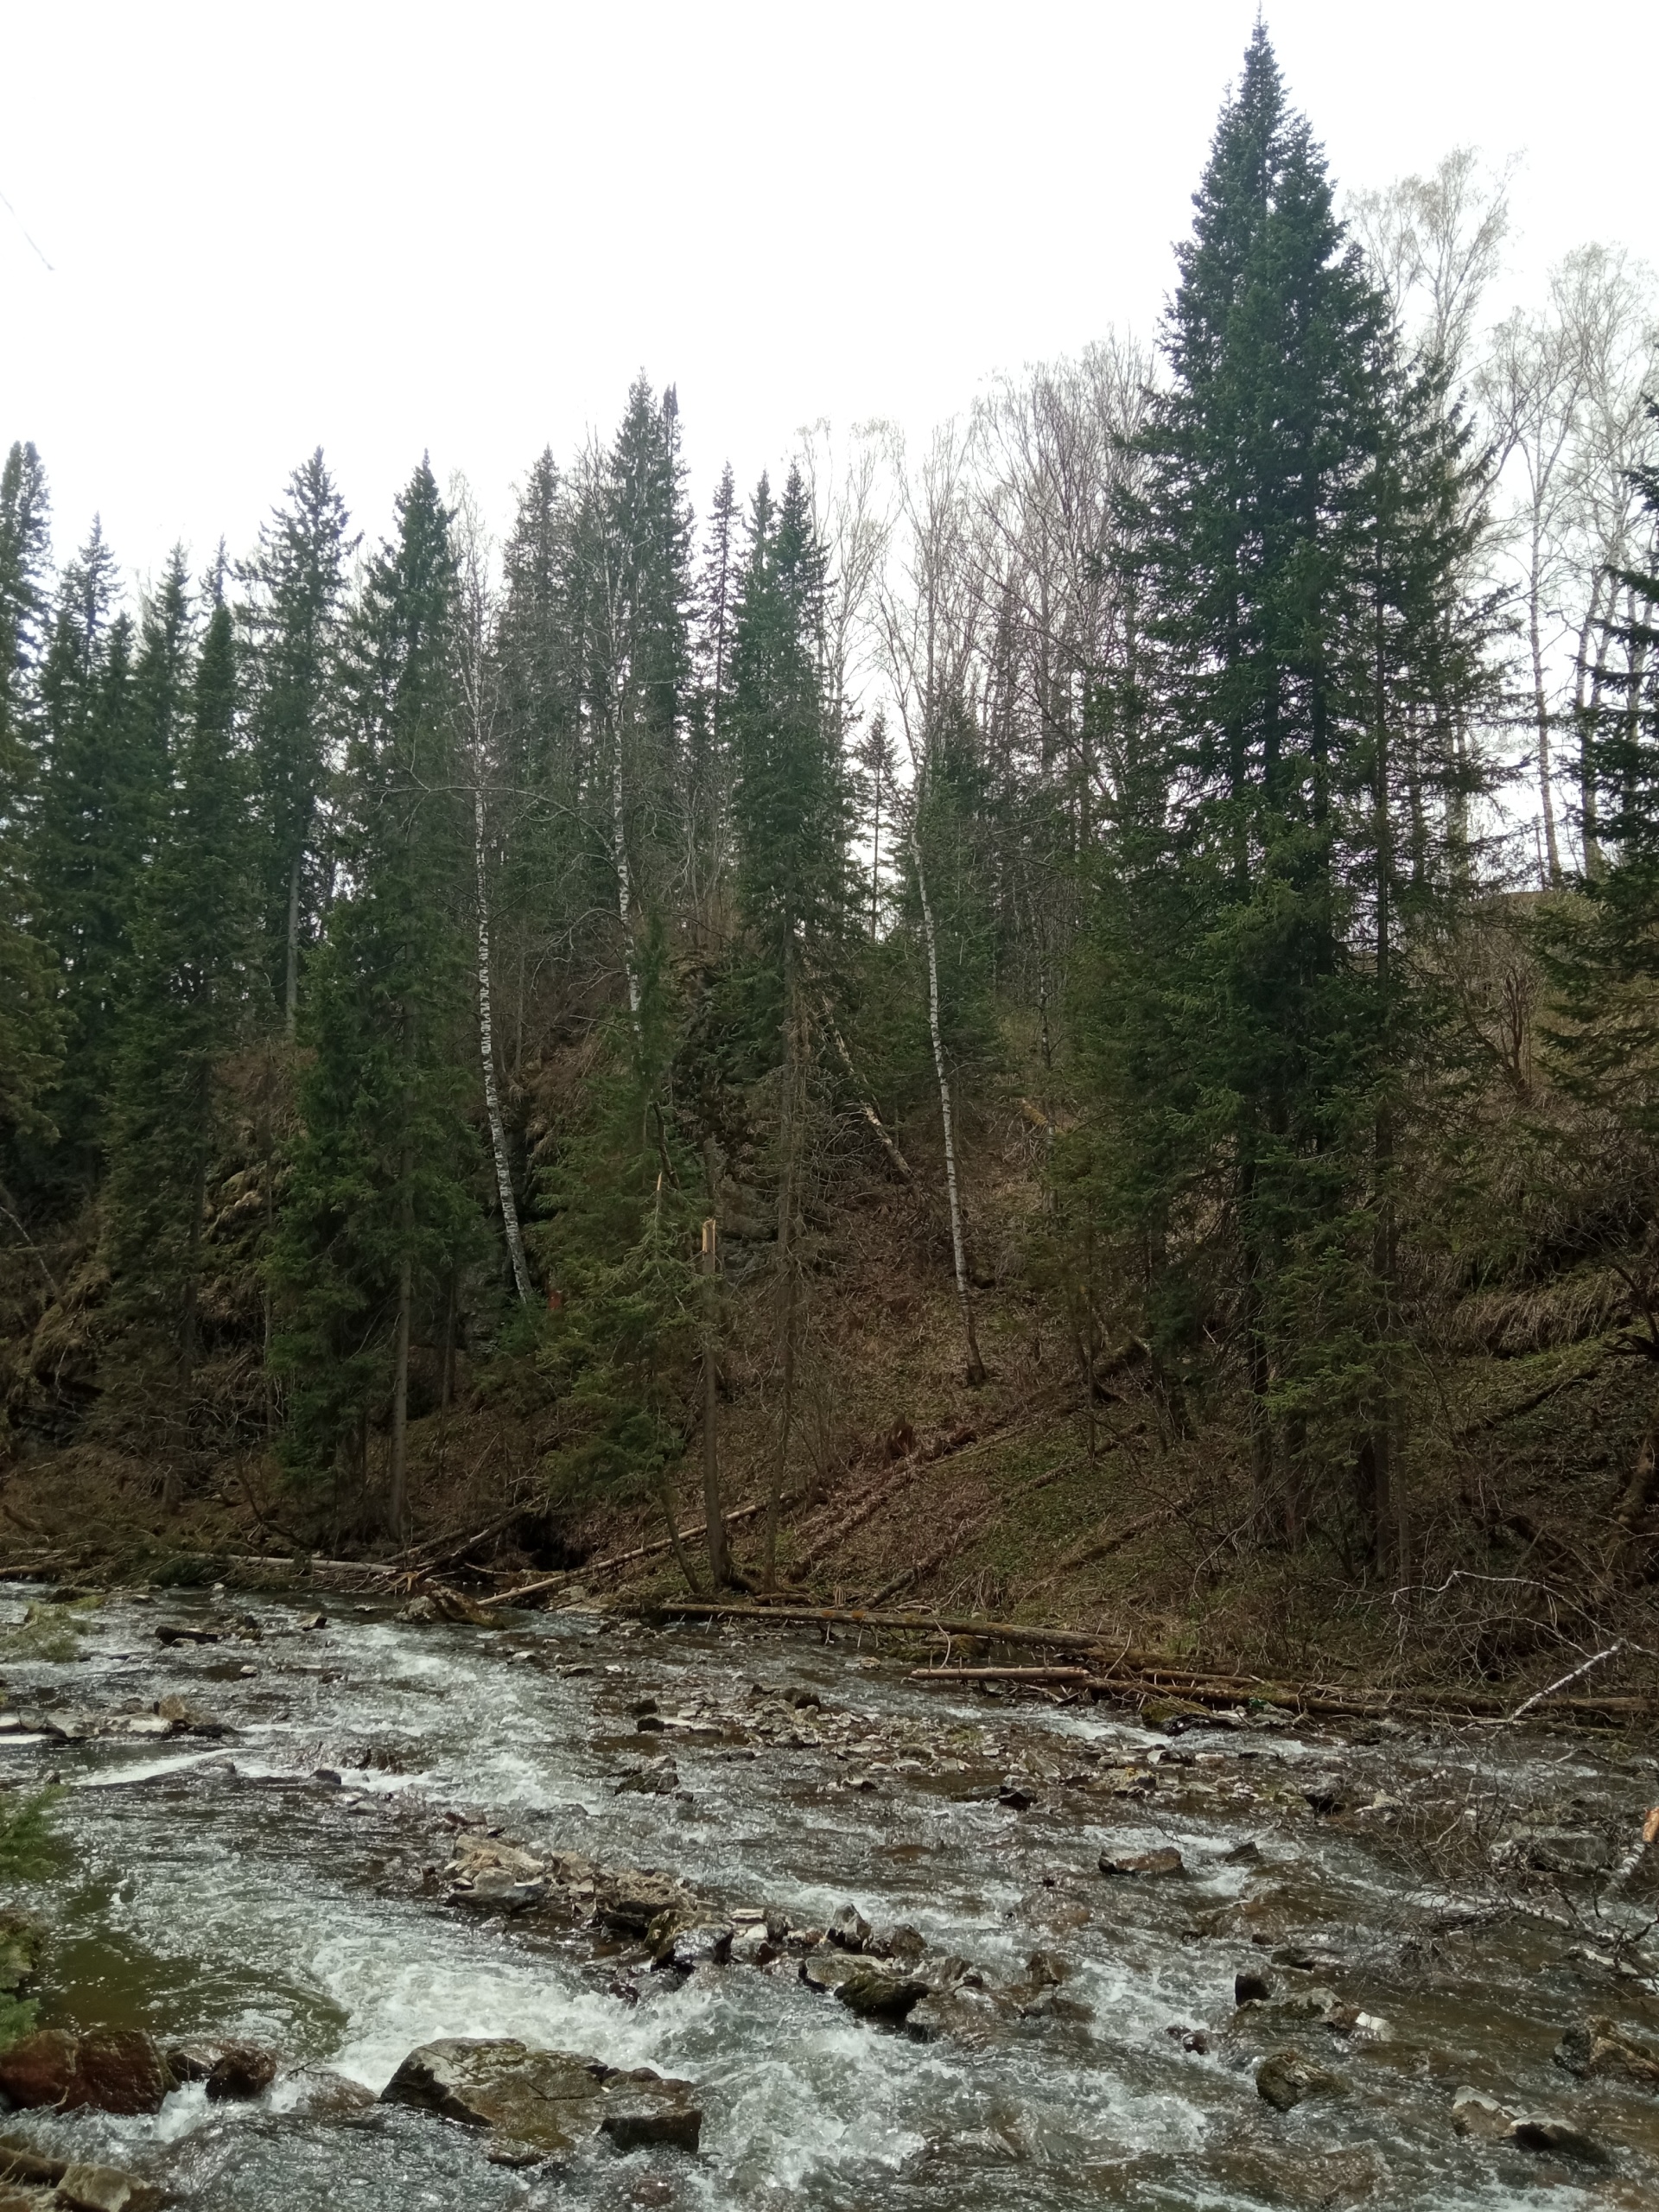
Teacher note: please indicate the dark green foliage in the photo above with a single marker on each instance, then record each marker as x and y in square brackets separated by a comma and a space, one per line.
[291, 622]
[790, 804]
[29, 1035]
[91, 836]
[186, 1006]
[1298, 560]
[382, 1207]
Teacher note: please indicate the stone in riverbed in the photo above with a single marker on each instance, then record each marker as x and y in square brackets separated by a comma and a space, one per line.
[900, 1942]
[1599, 2050]
[849, 1930]
[871, 1995]
[1560, 2137]
[319, 2093]
[826, 1970]
[233, 2071]
[1285, 2078]
[119, 2070]
[545, 2101]
[631, 1897]
[1148, 1864]
[106, 2189]
[1475, 2114]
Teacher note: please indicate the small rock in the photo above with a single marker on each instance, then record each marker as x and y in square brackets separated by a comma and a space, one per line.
[1477, 2114]
[849, 1930]
[106, 2189]
[171, 1632]
[1150, 1864]
[1285, 2078]
[319, 2093]
[1562, 2138]
[314, 1621]
[423, 1608]
[1598, 2049]
[233, 2071]
[1250, 1988]
[709, 1943]
[825, 1969]
[1017, 1798]
[899, 1941]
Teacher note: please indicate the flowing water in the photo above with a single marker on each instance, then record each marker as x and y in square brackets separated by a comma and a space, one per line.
[225, 1887]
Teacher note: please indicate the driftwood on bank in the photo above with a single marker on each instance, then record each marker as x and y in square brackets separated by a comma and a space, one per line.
[1123, 1671]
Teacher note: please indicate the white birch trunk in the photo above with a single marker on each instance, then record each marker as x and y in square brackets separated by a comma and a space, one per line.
[487, 1048]
[958, 1244]
[624, 889]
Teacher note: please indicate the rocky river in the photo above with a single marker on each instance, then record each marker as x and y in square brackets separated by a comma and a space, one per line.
[806, 1933]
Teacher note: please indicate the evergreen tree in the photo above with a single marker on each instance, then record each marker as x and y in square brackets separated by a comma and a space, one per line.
[93, 834]
[381, 1208]
[192, 956]
[292, 620]
[1299, 546]
[29, 1023]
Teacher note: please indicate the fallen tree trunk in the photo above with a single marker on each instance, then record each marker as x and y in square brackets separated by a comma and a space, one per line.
[692, 1531]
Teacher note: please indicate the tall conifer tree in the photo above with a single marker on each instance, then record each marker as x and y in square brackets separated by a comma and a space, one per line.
[382, 1206]
[28, 1022]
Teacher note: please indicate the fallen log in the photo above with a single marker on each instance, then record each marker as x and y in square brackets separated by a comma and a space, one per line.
[691, 1534]
[999, 1674]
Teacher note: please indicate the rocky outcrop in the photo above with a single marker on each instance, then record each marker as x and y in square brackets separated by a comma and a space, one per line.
[120, 2070]
[544, 2104]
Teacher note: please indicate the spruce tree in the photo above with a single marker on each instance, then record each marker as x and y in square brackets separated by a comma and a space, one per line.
[30, 1036]
[90, 838]
[291, 622]
[381, 1208]
[187, 1003]
[1299, 546]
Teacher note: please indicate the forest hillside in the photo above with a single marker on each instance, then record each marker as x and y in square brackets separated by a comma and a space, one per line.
[1061, 1027]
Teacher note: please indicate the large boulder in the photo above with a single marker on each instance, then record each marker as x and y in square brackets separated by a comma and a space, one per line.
[118, 2070]
[545, 2102]
[231, 2071]
[871, 1995]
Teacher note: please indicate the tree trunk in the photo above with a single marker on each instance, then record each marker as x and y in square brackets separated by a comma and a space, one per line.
[624, 887]
[976, 1365]
[720, 1573]
[398, 1481]
[1541, 716]
[487, 1048]
[291, 973]
[786, 1263]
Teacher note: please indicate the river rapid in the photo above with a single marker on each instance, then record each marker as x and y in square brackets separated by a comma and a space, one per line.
[285, 1881]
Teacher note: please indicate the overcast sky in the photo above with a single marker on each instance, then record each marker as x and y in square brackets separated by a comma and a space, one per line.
[386, 228]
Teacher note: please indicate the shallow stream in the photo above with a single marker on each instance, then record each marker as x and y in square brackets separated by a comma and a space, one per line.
[228, 1887]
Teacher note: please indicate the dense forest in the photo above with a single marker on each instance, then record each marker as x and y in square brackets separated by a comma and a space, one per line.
[1133, 929]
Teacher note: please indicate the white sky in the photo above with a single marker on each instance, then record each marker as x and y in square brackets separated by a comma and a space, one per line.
[383, 228]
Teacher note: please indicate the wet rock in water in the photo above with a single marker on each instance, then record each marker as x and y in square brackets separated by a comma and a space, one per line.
[1250, 1988]
[118, 2070]
[658, 1780]
[319, 2093]
[1015, 1797]
[186, 1719]
[1195, 2040]
[849, 1930]
[1314, 2002]
[1598, 2049]
[1556, 1850]
[900, 1940]
[630, 1897]
[496, 1876]
[19, 2162]
[172, 1632]
[1247, 1853]
[106, 2189]
[1324, 1793]
[826, 1970]
[1285, 2078]
[419, 1609]
[1560, 2137]
[709, 1943]
[1149, 1864]
[874, 1995]
[642, 2107]
[231, 2071]
[546, 2102]
[1046, 1970]
[1475, 2114]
